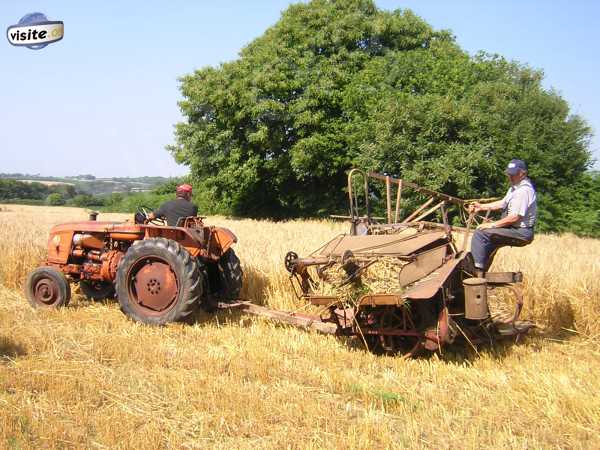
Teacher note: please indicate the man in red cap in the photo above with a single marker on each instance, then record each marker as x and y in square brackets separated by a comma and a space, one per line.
[174, 210]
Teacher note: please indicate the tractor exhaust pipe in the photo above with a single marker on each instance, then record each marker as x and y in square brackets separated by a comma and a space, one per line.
[476, 304]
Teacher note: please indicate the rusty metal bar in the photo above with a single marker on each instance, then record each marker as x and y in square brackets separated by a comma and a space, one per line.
[418, 210]
[339, 216]
[301, 321]
[422, 222]
[353, 206]
[467, 231]
[518, 291]
[305, 262]
[350, 196]
[416, 187]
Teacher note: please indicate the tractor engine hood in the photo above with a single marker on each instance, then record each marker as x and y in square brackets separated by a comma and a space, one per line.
[92, 226]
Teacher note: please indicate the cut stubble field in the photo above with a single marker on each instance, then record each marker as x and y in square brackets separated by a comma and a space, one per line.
[88, 377]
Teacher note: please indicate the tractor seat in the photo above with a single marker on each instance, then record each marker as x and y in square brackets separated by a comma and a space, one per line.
[511, 242]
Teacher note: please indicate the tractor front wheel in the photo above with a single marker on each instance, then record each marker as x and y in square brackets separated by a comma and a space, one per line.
[47, 287]
[158, 282]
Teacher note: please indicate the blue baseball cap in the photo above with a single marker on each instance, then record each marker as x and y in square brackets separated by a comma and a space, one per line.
[514, 166]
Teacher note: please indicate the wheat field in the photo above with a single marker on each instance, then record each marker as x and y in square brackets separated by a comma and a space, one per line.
[87, 377]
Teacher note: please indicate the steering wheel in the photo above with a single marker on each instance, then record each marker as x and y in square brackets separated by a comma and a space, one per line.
[143, 213]
[474, 218]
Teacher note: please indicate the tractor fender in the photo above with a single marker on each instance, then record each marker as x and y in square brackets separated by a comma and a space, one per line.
[223, 238]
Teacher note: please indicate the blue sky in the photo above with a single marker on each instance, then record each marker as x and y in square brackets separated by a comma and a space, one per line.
[104, 99]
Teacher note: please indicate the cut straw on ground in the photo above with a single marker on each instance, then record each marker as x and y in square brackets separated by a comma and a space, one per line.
[88, 377]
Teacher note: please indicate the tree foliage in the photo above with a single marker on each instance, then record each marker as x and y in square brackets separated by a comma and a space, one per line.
[574, 208]
[55, 199]
[340, 83]
[14, 191]
[86, 201]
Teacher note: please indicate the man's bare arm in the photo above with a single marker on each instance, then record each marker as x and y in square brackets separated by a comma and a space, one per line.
[507, 221]
[501, 223]
[492, 206]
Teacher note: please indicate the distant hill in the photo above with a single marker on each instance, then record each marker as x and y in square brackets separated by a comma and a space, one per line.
[89, 184]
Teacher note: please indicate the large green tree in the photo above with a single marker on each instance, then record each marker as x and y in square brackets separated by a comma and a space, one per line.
[340, 83]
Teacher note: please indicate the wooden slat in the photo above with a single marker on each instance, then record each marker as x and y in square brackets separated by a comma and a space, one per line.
[398, 198]
[388, 195]
[430, 210]
[418, 210]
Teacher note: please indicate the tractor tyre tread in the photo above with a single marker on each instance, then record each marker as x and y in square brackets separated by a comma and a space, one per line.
[189, 277]
[231, 276]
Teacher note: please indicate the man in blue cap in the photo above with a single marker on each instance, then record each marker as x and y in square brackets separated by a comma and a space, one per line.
[516, 226]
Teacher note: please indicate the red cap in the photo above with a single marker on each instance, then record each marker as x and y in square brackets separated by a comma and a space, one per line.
[184, 188]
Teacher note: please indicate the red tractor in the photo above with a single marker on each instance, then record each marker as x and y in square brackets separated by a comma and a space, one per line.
[159, 274]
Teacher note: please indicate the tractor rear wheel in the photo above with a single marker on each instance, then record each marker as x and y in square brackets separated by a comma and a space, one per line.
[47, 287]
[158, 282]
[230, 276]
[97, 290]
